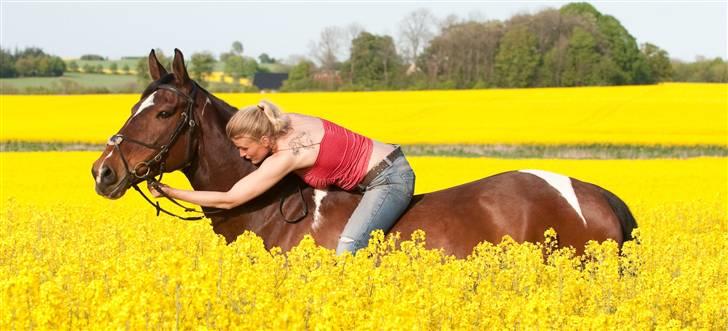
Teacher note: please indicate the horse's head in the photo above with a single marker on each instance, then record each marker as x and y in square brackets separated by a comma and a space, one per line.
[158, 136]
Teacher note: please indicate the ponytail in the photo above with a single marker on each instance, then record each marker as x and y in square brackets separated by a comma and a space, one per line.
[263, 119]
[279, 121]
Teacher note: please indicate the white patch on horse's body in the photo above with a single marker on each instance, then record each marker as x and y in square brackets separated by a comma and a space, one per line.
[148, 102]
[98, 177]
[318, 197]
[562, 184]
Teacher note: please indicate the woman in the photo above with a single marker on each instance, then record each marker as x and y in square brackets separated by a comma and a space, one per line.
[322, 154]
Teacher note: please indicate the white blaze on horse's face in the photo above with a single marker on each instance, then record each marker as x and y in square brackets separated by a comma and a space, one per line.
[563, 185]
[101, 166]
[148, 102]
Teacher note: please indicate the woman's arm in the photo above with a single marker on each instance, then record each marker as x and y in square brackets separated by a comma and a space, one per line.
[272, 170]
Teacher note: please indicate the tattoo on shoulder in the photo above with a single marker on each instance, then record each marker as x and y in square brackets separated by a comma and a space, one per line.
[301, 141]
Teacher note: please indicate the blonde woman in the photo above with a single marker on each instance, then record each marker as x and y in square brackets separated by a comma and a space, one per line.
[322, 154]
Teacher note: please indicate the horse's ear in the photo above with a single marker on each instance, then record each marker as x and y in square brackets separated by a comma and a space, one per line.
[156, 69]
[179, 69]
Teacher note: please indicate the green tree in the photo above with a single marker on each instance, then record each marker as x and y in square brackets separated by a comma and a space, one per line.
[717, 71]
[236, 65]
[92, 57]
[625, 64]
[113, 67]
[265, 58]
[201, 66]
[237, 48]
[125, 69]
[463, 54]
[300, 78]
[87, 68]
[582, 60]
[73, 66]
[142, 67]
[33, 62]
[702, 70]
[517, 58]
[658, 62]
[7, 64]
[250, 67]
[25, 67]
[554, 61]
[239, 66]
[375, 61]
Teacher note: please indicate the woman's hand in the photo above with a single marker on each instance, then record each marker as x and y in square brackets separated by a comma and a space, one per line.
[155, 193]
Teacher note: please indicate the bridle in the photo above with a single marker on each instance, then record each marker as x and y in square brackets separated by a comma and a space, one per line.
[187, 121]
[158, 160]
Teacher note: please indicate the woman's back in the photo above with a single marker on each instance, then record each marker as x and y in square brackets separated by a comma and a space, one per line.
[310, 134]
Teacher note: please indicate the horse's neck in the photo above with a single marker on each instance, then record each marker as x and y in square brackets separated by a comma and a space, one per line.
[218, 167]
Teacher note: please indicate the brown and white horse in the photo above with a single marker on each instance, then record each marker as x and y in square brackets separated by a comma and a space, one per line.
[176, 125]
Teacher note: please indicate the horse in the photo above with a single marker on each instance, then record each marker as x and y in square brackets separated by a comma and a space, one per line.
[178, 125]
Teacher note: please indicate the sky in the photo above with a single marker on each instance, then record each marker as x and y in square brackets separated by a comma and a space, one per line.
[685, 29]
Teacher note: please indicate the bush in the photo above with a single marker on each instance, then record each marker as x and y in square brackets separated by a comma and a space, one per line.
[73, 66]
[92, 57]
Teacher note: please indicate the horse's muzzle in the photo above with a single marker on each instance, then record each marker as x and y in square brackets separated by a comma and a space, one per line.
[108, 184]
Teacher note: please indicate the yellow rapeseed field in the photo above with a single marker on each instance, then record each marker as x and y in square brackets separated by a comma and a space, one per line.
[219, 76]
[72, 260]
[665, 114]
[215, 76]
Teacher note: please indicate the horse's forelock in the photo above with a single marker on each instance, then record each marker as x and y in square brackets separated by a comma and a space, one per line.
[166, 79]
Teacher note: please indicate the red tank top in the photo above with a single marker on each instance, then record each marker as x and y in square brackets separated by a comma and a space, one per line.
[342, 158]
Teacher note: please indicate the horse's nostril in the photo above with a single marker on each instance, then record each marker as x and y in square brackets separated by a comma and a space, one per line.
[107, 175]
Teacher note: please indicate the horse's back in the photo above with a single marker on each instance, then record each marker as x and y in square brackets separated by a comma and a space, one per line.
[459, 217]
[521, 204]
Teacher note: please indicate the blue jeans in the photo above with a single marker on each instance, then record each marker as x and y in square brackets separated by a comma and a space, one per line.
[384, 201]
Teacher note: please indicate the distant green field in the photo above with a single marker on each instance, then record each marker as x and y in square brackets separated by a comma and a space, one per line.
[69, 81]
[105, 63]
[79, 83]
[219, 66]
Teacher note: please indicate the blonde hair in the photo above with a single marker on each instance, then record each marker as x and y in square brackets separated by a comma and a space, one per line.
[263, 119]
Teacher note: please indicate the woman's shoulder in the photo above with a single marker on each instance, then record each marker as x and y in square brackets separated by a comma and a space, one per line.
[302, 117]
[304, 122]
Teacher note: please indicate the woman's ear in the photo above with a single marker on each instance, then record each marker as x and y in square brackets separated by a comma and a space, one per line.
[265, 141]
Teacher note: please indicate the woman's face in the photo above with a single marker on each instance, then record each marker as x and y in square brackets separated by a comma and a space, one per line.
[254, 150]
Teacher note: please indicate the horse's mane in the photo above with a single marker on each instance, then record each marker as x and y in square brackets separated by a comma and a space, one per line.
[226, 110]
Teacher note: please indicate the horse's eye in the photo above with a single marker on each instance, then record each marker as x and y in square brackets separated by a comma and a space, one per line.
[163, 114]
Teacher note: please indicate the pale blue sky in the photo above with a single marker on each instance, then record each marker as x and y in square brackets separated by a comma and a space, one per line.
[685, 29]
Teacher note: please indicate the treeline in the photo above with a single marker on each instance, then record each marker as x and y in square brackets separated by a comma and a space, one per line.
[30, 62]
[201, 65]
[575, 45]
[113, 68]
[702, 70]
